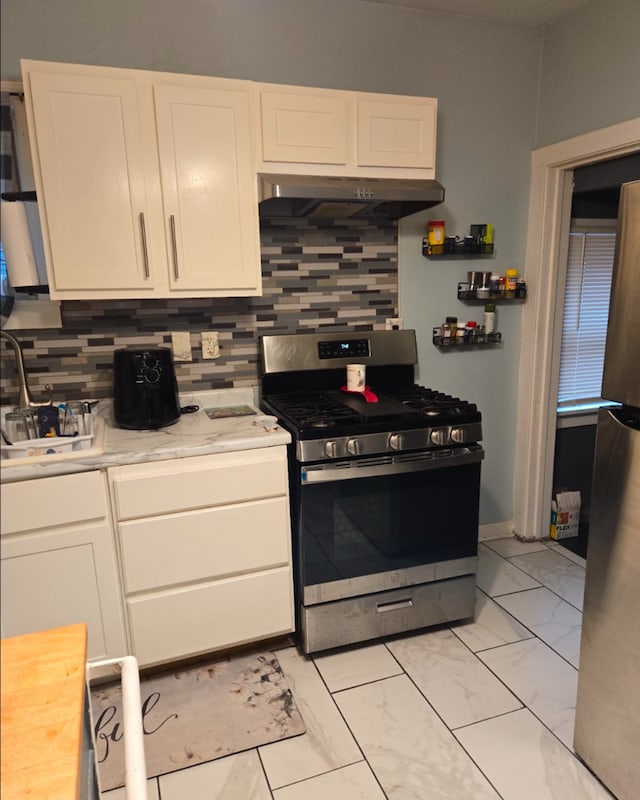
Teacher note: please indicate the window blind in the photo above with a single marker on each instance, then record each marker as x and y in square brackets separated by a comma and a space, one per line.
[586, 311]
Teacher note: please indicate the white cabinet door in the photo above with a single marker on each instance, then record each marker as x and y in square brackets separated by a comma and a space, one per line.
[396, 132]
[60, 577]
[58, 562]
[341, 133]
[304, 126]
[92, 182]
[147, 182]
[208, 188]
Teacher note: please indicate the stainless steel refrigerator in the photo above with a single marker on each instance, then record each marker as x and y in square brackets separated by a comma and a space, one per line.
[607, 732]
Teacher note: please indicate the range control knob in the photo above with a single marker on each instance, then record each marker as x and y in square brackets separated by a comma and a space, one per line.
[439, 436]
[457, 435]
[331, 449]
[396, 441]
[353, 447]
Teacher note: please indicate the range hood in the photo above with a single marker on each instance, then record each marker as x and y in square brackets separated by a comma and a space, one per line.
[336, 198]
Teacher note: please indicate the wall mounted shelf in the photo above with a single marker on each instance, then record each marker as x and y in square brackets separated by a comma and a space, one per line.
[476, 340]
[471, 296]
[460, 249]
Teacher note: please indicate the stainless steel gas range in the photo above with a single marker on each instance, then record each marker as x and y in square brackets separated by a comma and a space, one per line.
[384, 485]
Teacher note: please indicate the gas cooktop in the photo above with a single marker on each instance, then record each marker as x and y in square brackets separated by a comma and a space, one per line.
[312, 413]
[303, 376]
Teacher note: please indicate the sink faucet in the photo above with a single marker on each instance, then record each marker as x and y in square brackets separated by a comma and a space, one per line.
[25, 397]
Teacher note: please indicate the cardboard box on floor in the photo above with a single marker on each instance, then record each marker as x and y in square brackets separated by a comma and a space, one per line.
[565, 515]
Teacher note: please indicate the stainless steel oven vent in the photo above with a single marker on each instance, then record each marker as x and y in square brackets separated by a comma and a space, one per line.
[337, 198]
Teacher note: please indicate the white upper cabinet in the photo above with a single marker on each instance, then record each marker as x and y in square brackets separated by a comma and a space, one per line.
[92, 194]
[340, 133]
[146, 182]
[396, 133]
[208, 188]
[308, 127]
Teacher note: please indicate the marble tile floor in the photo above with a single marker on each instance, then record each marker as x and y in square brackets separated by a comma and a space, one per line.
[473, 710]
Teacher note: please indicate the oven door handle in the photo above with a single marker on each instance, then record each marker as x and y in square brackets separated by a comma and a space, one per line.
[390, 465]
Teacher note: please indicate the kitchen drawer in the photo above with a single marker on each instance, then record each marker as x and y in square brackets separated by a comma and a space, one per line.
[213, 616]
[205, 544]
[48, 502]
[166, 487]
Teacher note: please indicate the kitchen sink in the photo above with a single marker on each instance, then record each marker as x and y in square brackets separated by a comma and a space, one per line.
[55, 448]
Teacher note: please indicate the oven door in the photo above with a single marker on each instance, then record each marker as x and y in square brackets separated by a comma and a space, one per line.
[368, 525]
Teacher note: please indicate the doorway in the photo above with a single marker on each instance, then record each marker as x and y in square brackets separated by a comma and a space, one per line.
[594, 212]
[547, 246]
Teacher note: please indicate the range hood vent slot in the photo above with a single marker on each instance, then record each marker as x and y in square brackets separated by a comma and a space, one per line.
[339, 198]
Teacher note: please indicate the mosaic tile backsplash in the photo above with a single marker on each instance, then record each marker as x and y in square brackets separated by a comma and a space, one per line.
[333, 275]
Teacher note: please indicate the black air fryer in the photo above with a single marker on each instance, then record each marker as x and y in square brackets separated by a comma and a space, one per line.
[145, 390]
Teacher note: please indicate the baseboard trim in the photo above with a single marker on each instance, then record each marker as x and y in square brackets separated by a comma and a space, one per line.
[495, 530]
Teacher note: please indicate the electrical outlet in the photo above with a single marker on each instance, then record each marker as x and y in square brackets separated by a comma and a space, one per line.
[210, 344]
[394, 324]
[181, 345]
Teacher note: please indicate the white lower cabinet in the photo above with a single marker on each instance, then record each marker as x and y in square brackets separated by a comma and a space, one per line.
[58, 562]
[205, 547]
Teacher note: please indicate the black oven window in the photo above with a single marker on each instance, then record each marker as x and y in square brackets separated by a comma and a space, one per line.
[364, 526]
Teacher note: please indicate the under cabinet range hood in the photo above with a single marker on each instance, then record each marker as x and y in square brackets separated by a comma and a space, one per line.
[337, 198]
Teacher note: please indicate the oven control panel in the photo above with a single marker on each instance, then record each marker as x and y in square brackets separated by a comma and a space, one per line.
[344, 348]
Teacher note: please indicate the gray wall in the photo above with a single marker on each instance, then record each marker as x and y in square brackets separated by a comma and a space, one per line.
[484, 74]
[590, 74]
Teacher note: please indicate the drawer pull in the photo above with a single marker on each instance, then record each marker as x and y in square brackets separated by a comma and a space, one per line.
[394, 605]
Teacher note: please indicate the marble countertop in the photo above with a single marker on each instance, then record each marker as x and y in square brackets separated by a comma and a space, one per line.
[193, 435]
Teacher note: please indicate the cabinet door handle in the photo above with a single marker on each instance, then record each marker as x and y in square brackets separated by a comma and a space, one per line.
[174, 246]
[145, 252]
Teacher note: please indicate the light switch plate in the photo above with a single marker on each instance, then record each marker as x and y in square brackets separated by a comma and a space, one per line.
[181, 345]
[210, 344]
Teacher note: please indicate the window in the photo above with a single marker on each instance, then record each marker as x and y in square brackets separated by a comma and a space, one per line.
[586, 311]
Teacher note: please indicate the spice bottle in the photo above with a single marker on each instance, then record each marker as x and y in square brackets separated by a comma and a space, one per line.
[460, 332]
[449, 327]
[510, 285]
[471, 330]
[435, 231]
[489, 318]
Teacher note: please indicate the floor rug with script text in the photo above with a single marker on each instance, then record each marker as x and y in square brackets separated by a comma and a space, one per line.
[207, 711]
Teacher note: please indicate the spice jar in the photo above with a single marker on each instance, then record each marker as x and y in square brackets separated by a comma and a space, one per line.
[470, 331]
[449, 328]
[510, 283]
[460, 333]
[435, 231]
[489, 318]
